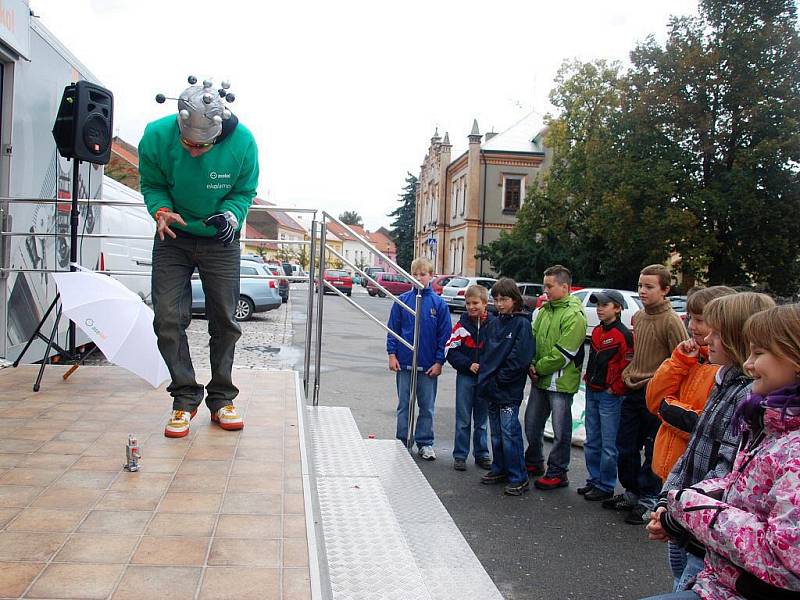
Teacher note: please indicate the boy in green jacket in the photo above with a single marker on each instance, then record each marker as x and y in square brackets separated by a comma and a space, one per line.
[199, 174]
[560, 331]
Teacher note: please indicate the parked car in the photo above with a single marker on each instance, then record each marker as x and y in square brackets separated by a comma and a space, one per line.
[339, 279]
[255, 294]
[453, 292]
[371, 271]
[678, 304]
[393, 282]
[632, 304]
[283, 284]
[439, 281]
[531, 292]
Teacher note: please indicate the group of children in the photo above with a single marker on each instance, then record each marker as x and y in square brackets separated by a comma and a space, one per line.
[716, 417]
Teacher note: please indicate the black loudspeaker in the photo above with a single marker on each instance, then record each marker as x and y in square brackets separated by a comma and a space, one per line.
[84, 123]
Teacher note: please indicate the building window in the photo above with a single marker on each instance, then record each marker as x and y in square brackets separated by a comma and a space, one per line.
[463, 194]
[454, 196]
[513, 190]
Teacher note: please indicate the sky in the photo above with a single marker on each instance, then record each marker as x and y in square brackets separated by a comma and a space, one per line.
[343, 97]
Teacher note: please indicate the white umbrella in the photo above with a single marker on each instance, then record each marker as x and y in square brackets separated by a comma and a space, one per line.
[115, 319]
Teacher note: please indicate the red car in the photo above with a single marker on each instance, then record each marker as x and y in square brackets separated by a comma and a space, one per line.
[439, 281]
[394, 283]
[339, 279]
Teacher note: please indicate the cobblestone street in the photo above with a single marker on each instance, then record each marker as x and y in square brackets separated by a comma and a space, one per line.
[265, 341]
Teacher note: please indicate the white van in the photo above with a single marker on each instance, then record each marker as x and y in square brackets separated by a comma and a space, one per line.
[122, 254]
[297, 271]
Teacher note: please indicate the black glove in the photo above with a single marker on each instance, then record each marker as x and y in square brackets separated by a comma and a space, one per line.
[225, 224]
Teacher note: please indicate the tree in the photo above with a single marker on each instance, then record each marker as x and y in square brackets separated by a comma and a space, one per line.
[404, 223]
[285, 253]
[351, 217]
[692, 155]
[302, 257]
[723, 98]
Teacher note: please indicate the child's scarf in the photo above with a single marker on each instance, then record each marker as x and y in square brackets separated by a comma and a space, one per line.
[784, 399]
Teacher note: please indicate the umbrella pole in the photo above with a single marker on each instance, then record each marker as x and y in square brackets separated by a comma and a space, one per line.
[80, 362]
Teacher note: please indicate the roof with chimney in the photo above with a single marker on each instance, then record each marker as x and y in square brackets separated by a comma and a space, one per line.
[522, 136]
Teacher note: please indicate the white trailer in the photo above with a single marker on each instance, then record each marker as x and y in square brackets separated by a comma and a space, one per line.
[126, 255]
[34, 69]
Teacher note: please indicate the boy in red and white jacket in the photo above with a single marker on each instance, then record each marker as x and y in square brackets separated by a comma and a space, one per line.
[611, 351]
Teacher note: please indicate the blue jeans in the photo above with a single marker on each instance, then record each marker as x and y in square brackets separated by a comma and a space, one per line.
[174, 261]
[426, 396]
[470, 408]
[507, 453]
[637, 430]
[600, 447]
[694, 564]
[688, 595]
[541, 404]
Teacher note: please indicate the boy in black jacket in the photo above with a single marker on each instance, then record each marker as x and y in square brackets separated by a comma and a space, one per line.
[462, 352]
[508, 350]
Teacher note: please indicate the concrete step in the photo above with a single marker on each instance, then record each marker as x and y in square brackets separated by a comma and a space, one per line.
[384, 533]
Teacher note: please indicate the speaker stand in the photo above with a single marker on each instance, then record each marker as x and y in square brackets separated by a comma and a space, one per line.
[69, 353]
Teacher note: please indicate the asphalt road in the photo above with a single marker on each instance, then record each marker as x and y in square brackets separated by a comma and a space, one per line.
[543, 545]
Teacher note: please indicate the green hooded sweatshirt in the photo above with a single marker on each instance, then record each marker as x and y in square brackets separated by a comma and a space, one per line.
[224, 178]
[560, 331]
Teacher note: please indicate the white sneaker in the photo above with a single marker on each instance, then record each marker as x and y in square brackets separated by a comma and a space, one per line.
[427, 453]
[178, 424]
[228, 418]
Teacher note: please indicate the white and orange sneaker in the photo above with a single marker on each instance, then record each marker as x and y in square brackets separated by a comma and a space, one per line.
[228, 418]
[178, 424]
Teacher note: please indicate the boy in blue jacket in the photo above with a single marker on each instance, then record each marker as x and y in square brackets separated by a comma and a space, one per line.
[434, 331]
[463, 353]
[508, 350]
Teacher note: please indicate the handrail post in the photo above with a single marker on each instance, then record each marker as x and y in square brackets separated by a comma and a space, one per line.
[320, 299]
[412, 401]
[310, 307]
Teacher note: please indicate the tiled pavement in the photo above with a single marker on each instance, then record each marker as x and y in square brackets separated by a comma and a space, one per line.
[214, 515]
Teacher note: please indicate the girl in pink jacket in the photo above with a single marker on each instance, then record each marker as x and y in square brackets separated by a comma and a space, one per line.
[749, 521]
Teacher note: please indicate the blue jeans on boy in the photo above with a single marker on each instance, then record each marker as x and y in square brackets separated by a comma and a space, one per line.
[600, 447]
[507, 452]
[637, 430]
[541, 404]
[694, 564]
[471, 417]
[426, 396]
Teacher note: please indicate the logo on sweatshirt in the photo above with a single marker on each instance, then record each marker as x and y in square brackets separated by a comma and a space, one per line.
[219, 185]
[508, 337]
[433, 313]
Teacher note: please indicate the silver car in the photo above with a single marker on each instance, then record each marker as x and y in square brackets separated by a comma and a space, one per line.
[255, 295]
[453, 292]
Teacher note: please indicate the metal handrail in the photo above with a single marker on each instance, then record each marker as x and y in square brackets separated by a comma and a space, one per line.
[378, 285]
[372, 248]
[414, 347]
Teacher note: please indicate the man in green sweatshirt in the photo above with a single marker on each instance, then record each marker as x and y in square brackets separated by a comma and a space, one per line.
[199, 174]
[560, 331]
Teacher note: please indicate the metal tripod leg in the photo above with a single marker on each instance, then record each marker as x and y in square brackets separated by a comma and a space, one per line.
[36, 333]
[45, 359]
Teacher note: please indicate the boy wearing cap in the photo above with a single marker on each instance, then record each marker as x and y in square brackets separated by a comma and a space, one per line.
[611, 351]
[199, 174]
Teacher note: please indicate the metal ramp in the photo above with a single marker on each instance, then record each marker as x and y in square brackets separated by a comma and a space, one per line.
[381, 529]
